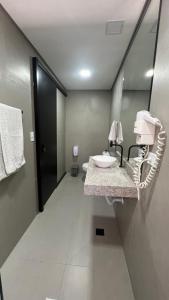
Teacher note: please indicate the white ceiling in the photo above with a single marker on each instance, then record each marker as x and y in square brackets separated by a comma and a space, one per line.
[70, 35]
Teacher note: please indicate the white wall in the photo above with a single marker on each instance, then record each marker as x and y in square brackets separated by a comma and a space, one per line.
[87, 123]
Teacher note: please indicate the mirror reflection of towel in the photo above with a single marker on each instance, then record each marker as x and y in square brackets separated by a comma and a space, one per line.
[119, 136]
[113, 132]
[116, 133]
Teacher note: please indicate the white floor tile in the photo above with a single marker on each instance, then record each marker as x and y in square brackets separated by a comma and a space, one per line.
[27, 280]
[103, 283]
[76, 284]
[61, 258]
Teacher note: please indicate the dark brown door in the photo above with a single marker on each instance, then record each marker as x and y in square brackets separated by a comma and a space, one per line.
[46, 140]
[1, 292]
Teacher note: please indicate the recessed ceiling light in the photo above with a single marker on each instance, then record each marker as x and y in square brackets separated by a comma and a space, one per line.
[85, 73]
[149, 73]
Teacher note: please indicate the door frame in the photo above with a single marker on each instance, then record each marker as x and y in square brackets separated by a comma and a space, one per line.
[1, 291]
[35, 64]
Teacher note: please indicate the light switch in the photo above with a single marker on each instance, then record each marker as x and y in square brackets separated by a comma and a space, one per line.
[32, 136]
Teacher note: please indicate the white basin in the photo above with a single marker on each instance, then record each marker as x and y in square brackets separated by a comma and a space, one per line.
[104, 161]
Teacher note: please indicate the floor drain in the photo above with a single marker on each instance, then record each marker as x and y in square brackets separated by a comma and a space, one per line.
[100, 231]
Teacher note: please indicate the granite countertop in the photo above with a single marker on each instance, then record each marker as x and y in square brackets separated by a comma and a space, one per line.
[114, 182]
[131, 162]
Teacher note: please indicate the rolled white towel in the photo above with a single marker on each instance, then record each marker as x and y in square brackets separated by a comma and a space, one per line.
[113, 132]
[119, 136]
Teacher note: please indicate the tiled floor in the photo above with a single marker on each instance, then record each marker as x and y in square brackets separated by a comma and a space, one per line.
[60, 257]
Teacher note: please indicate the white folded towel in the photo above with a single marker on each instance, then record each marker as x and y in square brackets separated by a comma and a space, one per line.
[119, 136]
[11, 140]
[113, 132]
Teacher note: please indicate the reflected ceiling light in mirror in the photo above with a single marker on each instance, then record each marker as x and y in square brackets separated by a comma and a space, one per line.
[85, 73]
[38, 76]
[149, 73]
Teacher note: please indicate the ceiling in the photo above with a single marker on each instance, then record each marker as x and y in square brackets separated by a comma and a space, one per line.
[70, 35]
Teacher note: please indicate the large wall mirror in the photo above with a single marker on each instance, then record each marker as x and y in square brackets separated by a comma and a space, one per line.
[136, 74]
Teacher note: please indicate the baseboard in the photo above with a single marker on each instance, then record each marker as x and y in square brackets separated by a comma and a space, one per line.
[61, 178]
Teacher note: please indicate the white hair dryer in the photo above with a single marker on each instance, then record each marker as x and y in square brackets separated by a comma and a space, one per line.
[144, 128]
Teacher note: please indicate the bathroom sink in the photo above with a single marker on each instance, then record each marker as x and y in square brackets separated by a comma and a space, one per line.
[104, 161]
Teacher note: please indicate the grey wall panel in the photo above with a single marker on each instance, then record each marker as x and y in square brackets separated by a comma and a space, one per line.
[18, 194]
[125, 110]
[87, 123]
[60, 135]
[132, 102]
[144, 224]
